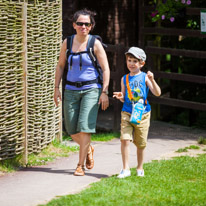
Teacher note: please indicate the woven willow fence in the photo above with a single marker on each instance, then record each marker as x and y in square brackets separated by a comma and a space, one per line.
[30, 38]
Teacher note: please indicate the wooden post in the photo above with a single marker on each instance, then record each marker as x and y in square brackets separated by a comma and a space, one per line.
[24, 65]
[120, 62]
[59, 135]
[156, 113]
[140, 23]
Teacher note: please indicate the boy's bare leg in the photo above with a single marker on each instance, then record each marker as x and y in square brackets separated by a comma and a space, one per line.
[83, 139]
[140, 158]
[125, 153]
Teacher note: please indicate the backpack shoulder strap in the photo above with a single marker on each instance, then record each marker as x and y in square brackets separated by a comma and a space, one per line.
[90, 49]
[69, 45]
[91, 41]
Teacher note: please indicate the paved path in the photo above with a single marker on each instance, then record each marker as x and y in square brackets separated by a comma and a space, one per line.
[38, 185]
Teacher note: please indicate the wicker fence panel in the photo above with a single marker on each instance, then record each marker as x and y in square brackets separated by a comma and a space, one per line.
[11, 121]
[43, 48]
[43, 44]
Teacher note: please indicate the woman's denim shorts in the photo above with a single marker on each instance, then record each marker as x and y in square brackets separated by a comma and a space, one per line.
[80, 110]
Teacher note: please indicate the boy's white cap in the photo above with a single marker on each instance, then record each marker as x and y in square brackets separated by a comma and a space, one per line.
[137, 52]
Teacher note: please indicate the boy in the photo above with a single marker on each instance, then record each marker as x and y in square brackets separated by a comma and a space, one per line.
[139, 85]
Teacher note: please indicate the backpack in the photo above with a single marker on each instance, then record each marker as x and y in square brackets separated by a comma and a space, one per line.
[90, 51]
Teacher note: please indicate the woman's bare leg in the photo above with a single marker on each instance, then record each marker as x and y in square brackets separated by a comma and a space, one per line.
[83, 139]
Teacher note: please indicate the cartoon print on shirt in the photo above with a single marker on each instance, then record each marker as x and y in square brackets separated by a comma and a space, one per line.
[136, 91]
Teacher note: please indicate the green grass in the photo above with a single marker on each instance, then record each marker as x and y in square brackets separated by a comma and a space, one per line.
[10, 165]
[177, 182]
[193, 147]
[105, 136]
[186, 148]
[99, 136]
[50, 153]
[54, 150]
[182, 150]
[202, 140]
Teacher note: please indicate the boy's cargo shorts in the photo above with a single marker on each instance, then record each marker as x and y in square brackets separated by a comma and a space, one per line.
[135, 133]
[80, 110]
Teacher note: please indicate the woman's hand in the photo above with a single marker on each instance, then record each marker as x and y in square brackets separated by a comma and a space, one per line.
[104, 101]
[57, 96]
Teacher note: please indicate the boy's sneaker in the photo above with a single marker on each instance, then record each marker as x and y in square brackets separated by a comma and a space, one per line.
[140, 173]
[124, 173]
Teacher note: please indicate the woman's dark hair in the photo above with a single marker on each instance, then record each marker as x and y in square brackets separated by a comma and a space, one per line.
[85, 12]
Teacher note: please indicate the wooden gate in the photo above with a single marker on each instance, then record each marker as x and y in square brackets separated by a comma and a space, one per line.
[153, 37]
[150, 39]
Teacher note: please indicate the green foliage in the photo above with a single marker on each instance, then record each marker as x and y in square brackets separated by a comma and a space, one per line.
[192, 24]
[168, 57]
[202, 140]
[169, 9]
[180, 181]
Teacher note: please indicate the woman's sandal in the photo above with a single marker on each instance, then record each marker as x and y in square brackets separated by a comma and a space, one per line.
[90, 159]
[79, 170]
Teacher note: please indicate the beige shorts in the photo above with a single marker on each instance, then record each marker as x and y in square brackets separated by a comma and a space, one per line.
[135, 133]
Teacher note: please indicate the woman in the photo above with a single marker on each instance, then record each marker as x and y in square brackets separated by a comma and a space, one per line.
[81, 103]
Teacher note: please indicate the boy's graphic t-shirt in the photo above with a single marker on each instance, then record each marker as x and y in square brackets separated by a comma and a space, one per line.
[139, 91]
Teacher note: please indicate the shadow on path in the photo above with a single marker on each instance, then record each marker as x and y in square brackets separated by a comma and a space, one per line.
[66, 172]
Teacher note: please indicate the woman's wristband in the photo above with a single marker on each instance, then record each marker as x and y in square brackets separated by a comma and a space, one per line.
[105, 92]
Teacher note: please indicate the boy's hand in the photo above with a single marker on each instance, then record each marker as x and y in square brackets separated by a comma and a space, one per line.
[151, 83]
[150, 76]
[118, 95]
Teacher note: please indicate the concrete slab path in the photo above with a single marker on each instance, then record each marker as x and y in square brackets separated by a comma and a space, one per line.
[38, 185]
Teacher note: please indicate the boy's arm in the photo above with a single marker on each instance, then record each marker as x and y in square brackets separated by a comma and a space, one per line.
[151, 83]
[120, 95]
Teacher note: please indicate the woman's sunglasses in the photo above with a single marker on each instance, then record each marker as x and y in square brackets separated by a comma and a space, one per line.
[83, 23]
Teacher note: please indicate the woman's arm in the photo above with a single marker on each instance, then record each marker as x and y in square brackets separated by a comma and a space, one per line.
[59, 72]
[102, 59]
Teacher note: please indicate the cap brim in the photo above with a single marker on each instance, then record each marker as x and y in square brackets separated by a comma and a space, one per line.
[135, 55]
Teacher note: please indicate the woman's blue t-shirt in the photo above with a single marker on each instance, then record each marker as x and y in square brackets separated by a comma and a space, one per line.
[87, 73]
